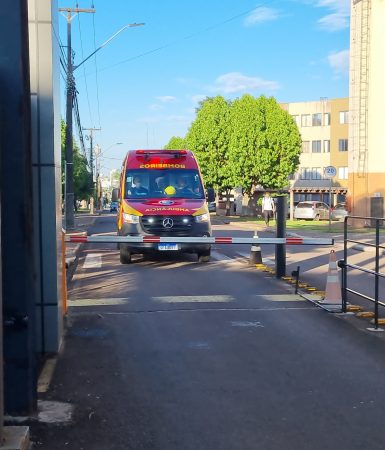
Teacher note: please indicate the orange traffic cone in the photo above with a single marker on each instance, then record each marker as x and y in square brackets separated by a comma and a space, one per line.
[333, 288]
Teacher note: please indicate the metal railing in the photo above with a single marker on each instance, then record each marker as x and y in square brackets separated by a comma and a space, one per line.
[345, 265]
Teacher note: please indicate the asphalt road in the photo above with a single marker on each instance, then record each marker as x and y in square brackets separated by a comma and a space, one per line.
[314, 261]
[169, 354]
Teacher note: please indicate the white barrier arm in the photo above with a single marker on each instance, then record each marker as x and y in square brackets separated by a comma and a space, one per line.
[105, 239]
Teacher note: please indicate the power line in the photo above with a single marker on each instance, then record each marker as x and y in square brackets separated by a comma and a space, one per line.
[187, 37]
[96, 71]
[79, 127]
[64, 66]
[61, 46]
[84, 71]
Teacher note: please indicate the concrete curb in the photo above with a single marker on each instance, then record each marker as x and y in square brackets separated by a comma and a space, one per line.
[364, 248]
[15, 438]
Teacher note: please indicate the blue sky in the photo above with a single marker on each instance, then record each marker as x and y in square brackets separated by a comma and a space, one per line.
[144, 85]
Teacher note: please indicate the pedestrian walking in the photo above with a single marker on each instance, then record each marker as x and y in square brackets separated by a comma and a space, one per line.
[268, 208]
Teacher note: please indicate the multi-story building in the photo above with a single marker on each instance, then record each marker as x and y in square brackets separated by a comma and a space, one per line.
[367, 99]
[323, 126]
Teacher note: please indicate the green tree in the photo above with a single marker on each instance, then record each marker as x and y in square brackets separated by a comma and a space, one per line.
[115, 178]
[265, 143]
[83, 183]
[208, 137]
[176, 143]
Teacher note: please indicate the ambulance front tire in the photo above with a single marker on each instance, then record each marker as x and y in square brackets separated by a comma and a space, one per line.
[125, 255]
[204, 256]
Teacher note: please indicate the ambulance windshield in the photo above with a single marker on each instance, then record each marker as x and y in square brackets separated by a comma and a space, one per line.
[163, 183]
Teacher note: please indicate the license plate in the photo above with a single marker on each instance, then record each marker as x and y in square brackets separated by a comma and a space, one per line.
[168, 247]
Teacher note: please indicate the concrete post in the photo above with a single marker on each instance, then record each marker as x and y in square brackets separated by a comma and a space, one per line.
[17, 208]
[280, 249]
[46, 154]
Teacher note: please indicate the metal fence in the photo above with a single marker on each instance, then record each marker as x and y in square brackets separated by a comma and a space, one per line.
[377, 224]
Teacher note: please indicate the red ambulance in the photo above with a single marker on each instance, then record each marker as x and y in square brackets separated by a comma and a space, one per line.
[161, 194]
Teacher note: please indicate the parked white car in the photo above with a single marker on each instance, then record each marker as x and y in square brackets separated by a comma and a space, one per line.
[312, 211]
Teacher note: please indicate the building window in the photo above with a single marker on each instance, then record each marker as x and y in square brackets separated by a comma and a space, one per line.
[316, 120]
[344, 117]
[343, 145]
[306, 120]
[297, 119]
[316, 173]
[316, 146]
[305, 146]
[343, 173]
[305, 173]
[327, 119]
[326, 147]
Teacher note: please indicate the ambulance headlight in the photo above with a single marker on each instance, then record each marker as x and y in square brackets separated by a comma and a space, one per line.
[130, 218]
[202, 218]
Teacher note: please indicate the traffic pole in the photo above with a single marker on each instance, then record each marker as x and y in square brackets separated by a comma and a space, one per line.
[280, 249]
[255, 252]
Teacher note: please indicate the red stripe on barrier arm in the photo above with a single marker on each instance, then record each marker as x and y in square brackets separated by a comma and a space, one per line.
[223, 240]
[294, 241]
[151, 239]
[77, 238]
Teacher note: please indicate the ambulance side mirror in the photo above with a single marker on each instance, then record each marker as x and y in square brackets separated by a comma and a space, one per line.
[115, 195]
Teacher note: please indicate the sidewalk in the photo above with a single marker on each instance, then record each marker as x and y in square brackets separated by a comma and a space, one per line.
[366, 236]
[82, 223]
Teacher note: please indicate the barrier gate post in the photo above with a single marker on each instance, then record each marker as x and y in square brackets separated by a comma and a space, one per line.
[280, 249]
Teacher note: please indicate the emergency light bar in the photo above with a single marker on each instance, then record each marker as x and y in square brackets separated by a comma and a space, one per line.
[174, 153]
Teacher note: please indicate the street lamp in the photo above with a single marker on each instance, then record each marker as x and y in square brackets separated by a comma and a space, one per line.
[99, 154]
[110, 146]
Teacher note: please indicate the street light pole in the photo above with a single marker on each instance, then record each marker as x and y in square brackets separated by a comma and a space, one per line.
[69, 216]
[91, 161]
[98, 156]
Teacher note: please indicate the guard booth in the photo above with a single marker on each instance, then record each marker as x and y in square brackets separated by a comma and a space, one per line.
[377, 210]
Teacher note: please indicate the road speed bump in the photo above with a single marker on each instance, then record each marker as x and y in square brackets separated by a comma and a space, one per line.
[365, 314]
[320, 293]
[353, 308]
[379, 321]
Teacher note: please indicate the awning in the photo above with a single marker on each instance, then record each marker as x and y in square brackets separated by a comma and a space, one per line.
[319, 190]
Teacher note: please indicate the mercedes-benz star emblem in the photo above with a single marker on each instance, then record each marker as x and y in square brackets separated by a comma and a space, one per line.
[168, 223]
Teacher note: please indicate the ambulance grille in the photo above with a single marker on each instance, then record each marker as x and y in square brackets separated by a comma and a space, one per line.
[167, 225]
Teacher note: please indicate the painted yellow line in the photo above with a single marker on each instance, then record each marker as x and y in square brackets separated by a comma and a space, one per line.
[46, 375]
[283, 298]
[97, 302]
[195, 299]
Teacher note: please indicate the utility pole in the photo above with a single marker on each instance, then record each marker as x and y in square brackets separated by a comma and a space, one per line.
[91, 135]
[69, 198]
[97, 172]
[71, 13]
